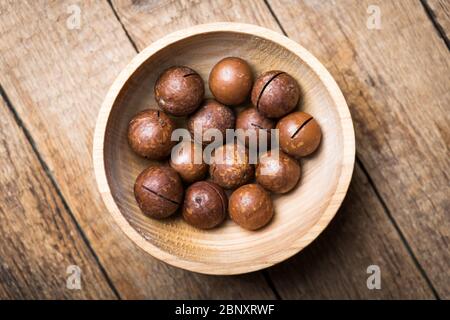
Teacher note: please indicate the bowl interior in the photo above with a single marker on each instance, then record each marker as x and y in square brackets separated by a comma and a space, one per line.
[228, 245]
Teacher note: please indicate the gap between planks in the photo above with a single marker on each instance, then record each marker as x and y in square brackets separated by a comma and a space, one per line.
[369, 178]
[123, 27]
[432, 16]
[397, 228]
[47, 171]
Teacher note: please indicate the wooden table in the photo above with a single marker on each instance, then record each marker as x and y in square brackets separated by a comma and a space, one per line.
[395, 76]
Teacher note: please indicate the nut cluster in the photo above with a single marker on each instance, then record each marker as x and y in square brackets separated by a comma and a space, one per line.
[179, 91]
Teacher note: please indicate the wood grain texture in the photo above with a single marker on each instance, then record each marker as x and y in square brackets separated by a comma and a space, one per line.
[359, 236]
[168, 16]
[441, 14]
[396, 82]
[56, 79]
[39, 238]
[300, 215]
[146, 22]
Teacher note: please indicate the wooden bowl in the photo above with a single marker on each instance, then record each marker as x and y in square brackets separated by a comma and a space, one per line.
[300, 215]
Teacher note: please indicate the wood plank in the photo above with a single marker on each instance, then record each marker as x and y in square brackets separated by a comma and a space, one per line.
[56, 78]
[440, 10]
[395, 80]
[147, 21]
[39, 238]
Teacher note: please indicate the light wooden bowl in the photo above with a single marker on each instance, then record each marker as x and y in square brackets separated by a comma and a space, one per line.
[300, 215]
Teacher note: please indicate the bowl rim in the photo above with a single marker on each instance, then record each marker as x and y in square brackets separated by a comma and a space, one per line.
[347, 165]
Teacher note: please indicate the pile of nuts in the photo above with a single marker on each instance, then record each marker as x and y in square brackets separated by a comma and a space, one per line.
[179, 91]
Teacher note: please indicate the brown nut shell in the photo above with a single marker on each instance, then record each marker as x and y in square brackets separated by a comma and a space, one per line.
[230, 81]
[205, 205]
[251, 122]
[251, 207]
[230, 167]
[275, 94]
[211, 115]
[277, 174]
[149, 134]
[184, 158]
[300, 134]
[179, 91]
[158, 191]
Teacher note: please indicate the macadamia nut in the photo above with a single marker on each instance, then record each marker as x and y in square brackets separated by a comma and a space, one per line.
[275, 94]
[205, 205]
[179, 91]
[300, 134]
[251, 207]
[230, 81]
[149, 134]
[158, 191]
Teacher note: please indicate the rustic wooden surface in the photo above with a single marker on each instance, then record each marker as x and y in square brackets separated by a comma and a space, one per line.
[439, 12]
[396, 214]
[40, 239]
